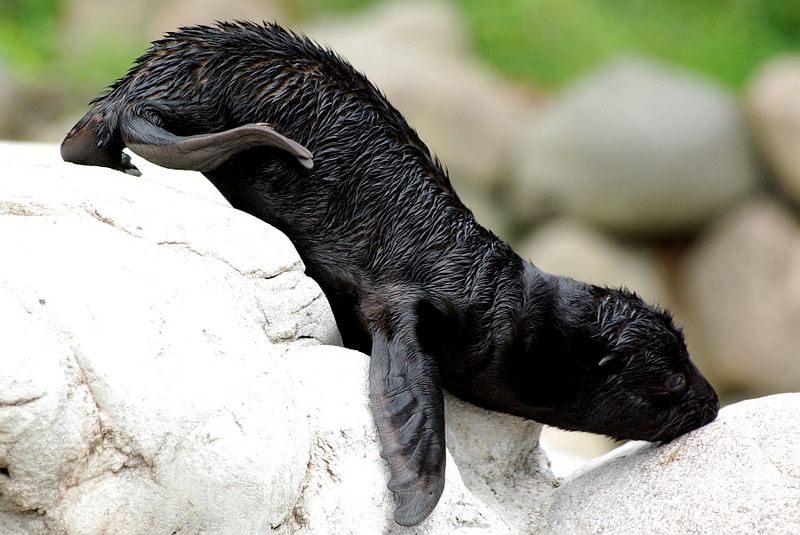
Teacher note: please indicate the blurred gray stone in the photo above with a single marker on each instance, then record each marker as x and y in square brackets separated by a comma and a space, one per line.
[774, 106]
[91, 23]
[568, 247]
[168, 16]
[416, 53]
[739, 475]
[486, 210]
[635, 147]
[741, 295]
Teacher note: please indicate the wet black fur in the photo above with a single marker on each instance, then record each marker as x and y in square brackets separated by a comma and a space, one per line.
[409, 273]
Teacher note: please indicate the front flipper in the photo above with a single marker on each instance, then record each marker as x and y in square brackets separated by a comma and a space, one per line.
[203, 152]
[408, 407]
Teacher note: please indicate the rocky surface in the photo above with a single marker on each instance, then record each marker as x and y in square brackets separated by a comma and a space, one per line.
[416, 53]
[738, 475]
[165, 371]
[162, 370]
[741, 293]
[635, 147]
[774, 106]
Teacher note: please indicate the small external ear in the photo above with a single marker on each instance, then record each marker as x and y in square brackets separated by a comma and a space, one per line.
[408, 407]
[609, 361]
[203, 152]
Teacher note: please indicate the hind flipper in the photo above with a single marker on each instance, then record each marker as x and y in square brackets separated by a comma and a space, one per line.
[82, 146]
[203, 152]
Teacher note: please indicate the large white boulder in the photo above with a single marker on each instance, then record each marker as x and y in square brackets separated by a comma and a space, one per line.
[738, 475]
[162, 369]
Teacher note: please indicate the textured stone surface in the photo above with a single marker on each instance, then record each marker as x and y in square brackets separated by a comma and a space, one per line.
[774, 106]
[738, 475]
[635, 147]
[416, 52]
[741, 293]
[162, 371]
[140, 329]
[500, 460]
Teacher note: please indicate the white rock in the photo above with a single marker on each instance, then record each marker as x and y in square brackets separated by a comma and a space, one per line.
[162, 371]
[635, 147]
[738, 475]
[345, 491]
[500, 460]
[140, 330]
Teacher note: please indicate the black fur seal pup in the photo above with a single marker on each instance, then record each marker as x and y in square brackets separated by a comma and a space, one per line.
[292, 134]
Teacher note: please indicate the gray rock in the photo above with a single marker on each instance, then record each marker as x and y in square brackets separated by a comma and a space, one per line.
[741, 291]
[637, 148]
[738, 475]
[500, 460]
[571, 248]
[88, 24]
[416, 53]
[774, 106]
[168, 16]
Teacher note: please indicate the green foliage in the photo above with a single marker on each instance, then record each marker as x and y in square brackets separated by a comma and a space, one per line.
[28, 36]
[551, 41]
[305, 8]
[546, 41]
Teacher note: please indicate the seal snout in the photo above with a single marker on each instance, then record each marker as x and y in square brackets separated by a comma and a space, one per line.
[694, 413]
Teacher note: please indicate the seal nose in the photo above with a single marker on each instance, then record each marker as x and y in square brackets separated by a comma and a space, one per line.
[710, 409]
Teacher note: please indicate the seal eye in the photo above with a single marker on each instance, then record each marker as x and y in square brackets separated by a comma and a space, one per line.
[675, 383]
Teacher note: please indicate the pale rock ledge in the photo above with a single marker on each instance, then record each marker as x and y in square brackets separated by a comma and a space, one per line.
[166, 367]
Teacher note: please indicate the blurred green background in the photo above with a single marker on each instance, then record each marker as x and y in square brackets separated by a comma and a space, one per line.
[547, 42]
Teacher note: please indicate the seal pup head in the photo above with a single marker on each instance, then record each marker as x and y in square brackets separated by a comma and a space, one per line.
[615, 365]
